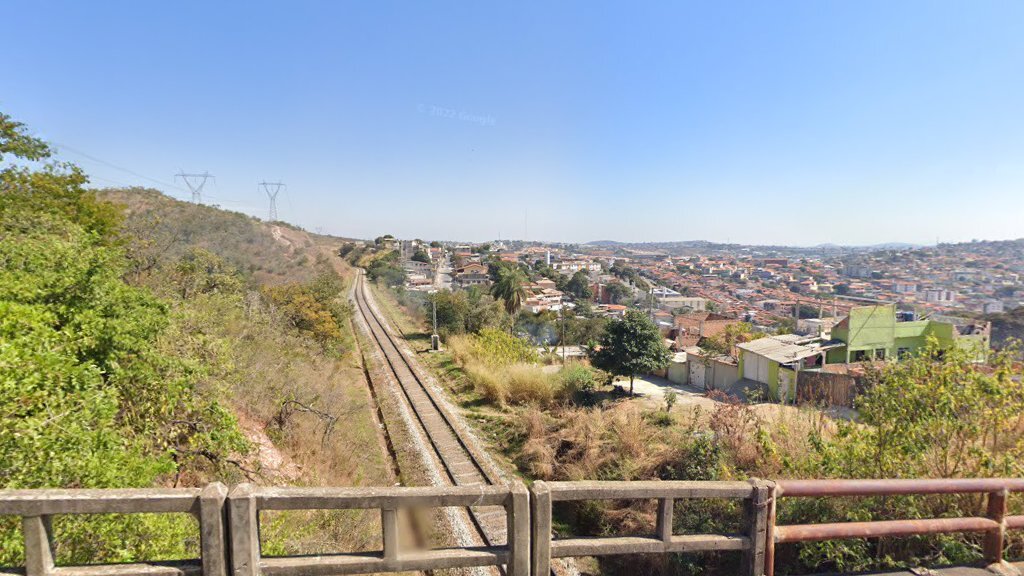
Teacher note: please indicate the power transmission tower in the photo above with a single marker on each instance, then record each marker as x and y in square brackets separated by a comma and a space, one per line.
[272, 189]
[195, 183]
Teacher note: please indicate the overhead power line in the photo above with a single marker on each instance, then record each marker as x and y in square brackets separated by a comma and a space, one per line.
[116, 167]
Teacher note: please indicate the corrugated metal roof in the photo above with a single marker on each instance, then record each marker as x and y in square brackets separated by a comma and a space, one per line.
[782, 349]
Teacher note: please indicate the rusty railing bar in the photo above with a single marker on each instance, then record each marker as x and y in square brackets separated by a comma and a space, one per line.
[894, 487]
[842, 530]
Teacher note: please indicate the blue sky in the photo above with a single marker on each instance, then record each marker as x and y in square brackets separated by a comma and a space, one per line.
[852, 122]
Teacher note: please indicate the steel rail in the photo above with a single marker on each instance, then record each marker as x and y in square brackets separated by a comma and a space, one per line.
[376, 328]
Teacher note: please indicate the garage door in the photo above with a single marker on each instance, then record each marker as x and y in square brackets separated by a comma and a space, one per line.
[755, 367]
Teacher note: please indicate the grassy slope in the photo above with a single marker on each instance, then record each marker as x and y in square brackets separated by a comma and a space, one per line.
[262, 364]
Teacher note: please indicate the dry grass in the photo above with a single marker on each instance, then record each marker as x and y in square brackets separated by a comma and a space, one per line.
[529, 384]
[616, 443]
[487, 382]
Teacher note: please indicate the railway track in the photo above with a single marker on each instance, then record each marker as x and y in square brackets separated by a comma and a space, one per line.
[457, 458]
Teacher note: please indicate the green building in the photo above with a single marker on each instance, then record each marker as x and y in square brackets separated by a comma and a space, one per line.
[868, 333]
[874, 333]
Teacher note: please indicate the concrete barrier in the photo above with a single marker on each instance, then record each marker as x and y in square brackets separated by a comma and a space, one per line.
[37, 508]
[245, 501]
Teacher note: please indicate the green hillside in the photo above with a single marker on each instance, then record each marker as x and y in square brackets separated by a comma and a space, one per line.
[150, 342]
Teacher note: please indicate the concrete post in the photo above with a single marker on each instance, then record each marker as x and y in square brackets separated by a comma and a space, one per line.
[38, 534]
[664, 525]
[517, 513]
[212, 533]
[540, 511]
[245, 535]
[756, 518]
[389, 527]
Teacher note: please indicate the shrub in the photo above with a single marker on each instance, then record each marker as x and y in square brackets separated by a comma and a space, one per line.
[502, 349]
[576, 379]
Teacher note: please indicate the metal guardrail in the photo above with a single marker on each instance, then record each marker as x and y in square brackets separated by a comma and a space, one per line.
[37, 508]
[752, 543]
[994, 525]
[230, 537]
[245, 501]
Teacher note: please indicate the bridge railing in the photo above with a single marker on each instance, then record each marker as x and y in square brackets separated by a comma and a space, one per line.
[994, 524]
[751, 543]
[246, 501]
[38, 507]
[230, 537]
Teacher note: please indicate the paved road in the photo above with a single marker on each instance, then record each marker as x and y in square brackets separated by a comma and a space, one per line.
[443, 276]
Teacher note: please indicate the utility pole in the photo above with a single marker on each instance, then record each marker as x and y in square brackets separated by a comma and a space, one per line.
[435, 340]
[195, 183]
[272, 189]
[561, 337]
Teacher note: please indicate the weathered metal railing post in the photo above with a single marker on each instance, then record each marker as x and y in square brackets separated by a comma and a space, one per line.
[517, 514]
[245, 535]
[774, 491]
[38, 534]
[993, 547]
[213, 542]
[540, 513]
[756, 517]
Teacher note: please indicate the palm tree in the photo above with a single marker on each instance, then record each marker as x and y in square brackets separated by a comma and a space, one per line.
[510, 289]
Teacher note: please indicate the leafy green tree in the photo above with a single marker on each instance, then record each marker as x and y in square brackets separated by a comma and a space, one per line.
[617, 292]
[579, 286]
[421, 256]
[91, 394]
[509, 288]
[733, 334]
[14, 140]
[465, 311]
[631, 345]
[200, 271]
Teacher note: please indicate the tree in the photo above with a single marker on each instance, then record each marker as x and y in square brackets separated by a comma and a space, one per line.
[631, 345]
[509, 288]
[579, 286]
[617, 292]
[421, 256]
[435, 244]
[13, 140]
[722, 344]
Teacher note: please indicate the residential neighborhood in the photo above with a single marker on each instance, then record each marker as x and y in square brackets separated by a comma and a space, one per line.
[752, 321]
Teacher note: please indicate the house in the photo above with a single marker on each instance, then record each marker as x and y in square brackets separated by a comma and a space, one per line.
[570, 267]
[875, 333]
[940, 296]
[668, 298]
[473, 274]
[416, 267]
[692, 328]
[542, 298]
[612, 310]
[772, 362]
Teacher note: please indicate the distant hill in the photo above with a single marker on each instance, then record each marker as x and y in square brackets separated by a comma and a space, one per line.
[267, 253]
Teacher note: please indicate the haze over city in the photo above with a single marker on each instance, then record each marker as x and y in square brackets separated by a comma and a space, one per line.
[766, 123]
